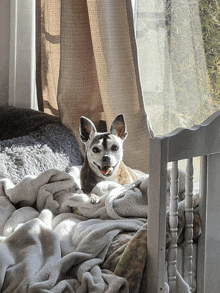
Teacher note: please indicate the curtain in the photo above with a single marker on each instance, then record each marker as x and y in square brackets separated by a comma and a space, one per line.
[172, 63]
[47, 54]
[88, 67]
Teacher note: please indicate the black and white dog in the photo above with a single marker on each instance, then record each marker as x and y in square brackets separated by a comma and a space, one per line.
[103, 152]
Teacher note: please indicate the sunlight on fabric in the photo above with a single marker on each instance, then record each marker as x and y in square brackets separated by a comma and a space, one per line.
[65, 228]
[172, 63]
[11, 229]
[19, 225]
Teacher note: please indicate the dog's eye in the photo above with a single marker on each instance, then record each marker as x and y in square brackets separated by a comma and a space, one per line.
[96, 150]
[114, 147]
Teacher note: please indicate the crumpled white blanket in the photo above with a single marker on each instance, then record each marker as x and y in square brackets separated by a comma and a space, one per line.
[45, 247]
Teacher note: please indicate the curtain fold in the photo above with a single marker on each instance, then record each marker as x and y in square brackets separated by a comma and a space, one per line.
[98, 74]
[47, 54]
[78, 89]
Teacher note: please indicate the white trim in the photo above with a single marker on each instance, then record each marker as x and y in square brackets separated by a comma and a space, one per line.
[134, 6]
[22, 60]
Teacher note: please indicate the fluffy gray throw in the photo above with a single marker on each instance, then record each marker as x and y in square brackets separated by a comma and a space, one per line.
[50, 146]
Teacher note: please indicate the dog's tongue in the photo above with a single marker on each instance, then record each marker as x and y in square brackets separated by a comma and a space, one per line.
[106, 170]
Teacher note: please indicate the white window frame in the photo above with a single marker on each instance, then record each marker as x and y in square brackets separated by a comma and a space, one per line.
[22, 57]
[134, 6]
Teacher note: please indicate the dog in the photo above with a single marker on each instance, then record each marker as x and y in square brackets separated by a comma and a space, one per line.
[104, 154]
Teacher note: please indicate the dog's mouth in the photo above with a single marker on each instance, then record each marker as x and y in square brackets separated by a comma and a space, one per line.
[106, 170]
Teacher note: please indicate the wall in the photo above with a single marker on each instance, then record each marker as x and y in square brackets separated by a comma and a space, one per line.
[4, 50]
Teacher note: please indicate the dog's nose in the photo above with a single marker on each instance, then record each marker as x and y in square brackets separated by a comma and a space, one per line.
[106, 160]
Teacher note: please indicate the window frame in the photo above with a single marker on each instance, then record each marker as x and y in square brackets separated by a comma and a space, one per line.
[22, 57]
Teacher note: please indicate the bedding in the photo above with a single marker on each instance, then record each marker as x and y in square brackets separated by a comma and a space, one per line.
[61, 240]
[45, 246]
[50, 146]
[54, 238]
[17, 122]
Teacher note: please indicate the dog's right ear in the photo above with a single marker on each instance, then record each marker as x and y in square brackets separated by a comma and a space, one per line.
[87, 129]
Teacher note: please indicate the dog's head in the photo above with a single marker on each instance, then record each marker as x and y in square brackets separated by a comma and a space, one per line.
[104, 151]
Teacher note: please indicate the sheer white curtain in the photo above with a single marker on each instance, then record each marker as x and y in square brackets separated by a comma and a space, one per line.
[172, 63]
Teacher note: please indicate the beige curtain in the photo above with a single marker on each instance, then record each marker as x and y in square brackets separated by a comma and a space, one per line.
[48, 54]
[98, 75]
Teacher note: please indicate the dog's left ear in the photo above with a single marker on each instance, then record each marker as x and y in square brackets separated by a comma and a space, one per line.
[118, 127]
[87, 129]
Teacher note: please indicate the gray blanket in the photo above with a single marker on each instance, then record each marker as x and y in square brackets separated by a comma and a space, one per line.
[50, 146]
[46, 248]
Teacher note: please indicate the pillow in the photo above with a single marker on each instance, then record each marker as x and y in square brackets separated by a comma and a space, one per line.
[50, 145]
[17, 122]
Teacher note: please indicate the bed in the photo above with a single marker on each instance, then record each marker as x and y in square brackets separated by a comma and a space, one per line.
[54, 238]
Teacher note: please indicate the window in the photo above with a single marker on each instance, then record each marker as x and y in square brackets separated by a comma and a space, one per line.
[22, 89]
[177, 88]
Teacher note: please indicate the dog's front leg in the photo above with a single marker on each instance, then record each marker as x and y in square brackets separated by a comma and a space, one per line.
[94, 199]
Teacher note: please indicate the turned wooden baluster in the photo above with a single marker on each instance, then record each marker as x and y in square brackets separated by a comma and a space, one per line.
[201, 261]
[188, 247]
[173, 222]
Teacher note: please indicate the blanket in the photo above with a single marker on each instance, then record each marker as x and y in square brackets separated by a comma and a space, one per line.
[54, 238]
[45, 247]
[49, 146]
[17, 122]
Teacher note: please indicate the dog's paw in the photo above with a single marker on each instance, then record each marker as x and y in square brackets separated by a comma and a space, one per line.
[94, 199]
